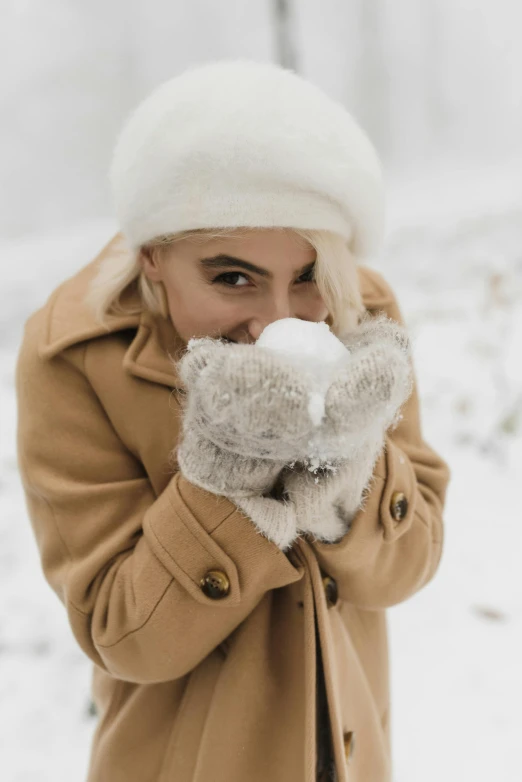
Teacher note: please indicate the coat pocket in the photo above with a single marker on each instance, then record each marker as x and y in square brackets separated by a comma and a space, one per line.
[183, 747]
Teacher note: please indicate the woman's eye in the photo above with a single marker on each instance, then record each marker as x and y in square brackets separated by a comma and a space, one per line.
[309, 274]
[223, 279]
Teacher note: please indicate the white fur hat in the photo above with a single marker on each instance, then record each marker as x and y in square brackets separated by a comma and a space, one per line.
[243, 143]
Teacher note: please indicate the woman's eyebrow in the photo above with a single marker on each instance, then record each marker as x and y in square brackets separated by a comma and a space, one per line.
[222, 261]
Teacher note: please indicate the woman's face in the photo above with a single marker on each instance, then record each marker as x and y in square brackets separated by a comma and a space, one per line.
[234, 287]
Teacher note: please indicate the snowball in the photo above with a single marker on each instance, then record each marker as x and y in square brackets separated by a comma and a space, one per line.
[312, 348]
[303, 339]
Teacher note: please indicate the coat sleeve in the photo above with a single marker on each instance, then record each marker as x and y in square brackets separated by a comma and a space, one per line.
[380, 561]
[125, 563]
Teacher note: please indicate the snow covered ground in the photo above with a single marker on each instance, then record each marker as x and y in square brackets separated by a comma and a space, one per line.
[454, 257]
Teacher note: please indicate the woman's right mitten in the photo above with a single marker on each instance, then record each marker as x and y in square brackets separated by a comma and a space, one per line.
[239, 424]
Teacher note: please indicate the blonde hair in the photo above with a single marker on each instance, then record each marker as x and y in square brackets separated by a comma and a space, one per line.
[335, 273]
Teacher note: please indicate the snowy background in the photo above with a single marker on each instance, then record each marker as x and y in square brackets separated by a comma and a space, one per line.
[437, 86]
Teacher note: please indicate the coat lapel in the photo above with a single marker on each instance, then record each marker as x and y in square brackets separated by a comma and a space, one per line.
[153, 350]
[70, 321]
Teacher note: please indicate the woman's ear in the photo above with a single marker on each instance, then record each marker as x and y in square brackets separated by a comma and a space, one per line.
[149, 259]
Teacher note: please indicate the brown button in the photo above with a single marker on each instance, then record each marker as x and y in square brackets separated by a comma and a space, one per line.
[215, 584]
[349, 744]
[398, 505]
[330, 590]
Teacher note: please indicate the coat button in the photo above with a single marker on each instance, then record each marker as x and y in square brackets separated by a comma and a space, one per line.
[398, 505]
[349, 745]
[215, 584]
[330, 590]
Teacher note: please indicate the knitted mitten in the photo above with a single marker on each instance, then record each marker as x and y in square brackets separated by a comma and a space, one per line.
[366, 393]
[245, 416]
[361, 404]
[327, 498]
[246, 399]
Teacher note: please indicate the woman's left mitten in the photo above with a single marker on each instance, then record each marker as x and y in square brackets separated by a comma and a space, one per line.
[366, 395]
[361, 404]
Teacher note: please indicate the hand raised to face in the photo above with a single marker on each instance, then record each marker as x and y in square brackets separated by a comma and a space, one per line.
[245, 398]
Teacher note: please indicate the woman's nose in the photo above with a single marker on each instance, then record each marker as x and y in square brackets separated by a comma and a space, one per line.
[258, 324]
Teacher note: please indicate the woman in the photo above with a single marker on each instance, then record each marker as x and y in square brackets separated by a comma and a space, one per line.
[224, 563]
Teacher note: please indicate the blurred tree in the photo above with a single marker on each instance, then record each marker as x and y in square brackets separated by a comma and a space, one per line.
[284, 34]
[372, 74]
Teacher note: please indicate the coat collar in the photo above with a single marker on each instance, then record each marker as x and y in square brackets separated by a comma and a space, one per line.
[68, 321]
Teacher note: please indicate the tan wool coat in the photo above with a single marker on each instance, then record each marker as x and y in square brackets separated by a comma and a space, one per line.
[199, 677]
